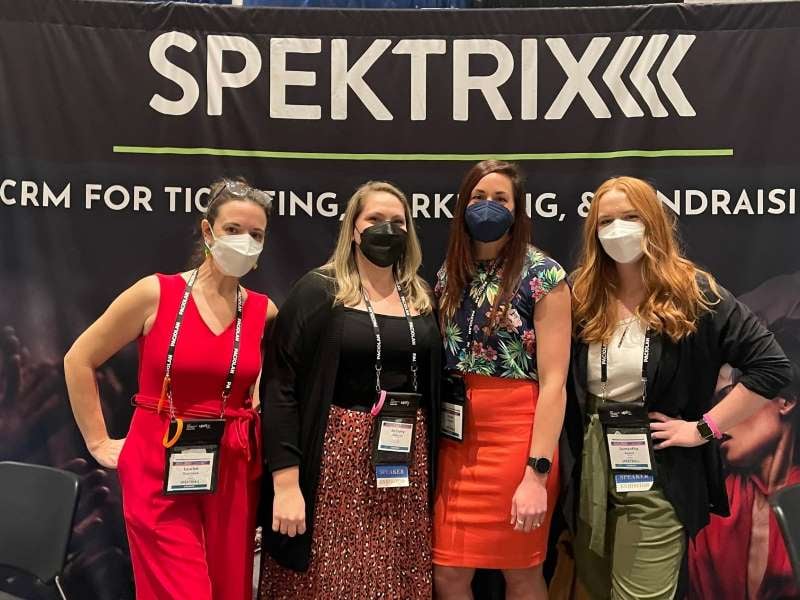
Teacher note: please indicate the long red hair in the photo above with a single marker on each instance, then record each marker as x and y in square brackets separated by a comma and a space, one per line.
[674, 299]
[460, 262]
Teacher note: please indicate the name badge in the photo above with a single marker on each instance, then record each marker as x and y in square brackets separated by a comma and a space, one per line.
[453, 408]
[629, 451]
[396, 436]
[452, 421]
[391, 476]
[191, 470]
[192, 457]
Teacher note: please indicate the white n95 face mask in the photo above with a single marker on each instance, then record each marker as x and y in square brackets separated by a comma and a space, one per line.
[623, 240]
[235, 255]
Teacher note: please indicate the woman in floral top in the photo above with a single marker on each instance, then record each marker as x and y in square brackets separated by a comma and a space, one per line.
[505, 317]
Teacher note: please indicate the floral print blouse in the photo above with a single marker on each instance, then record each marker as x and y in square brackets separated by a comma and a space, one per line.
[510, 350]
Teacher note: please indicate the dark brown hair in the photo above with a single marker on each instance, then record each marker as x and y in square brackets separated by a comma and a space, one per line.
[460, 262]
[218, 196]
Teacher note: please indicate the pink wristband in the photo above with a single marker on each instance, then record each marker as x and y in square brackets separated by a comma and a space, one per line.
[712, 426]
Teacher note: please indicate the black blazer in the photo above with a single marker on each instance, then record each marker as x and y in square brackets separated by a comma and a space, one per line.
[681, 382]
[299, 377]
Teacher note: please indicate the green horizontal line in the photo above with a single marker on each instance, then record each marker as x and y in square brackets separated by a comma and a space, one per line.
[183, 151]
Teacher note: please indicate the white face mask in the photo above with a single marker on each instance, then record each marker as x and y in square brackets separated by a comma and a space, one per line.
[235, 255]
[623, 240]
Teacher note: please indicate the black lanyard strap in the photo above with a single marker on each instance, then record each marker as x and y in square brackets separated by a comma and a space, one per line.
[378, 342]
[173, 342]
[489, 276]
[604, 366]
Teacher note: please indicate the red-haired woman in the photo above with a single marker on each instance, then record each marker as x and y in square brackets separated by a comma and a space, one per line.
[652, 331]
[505, 316]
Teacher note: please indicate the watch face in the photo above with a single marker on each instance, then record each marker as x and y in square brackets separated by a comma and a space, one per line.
[705, 430]
[540, 465]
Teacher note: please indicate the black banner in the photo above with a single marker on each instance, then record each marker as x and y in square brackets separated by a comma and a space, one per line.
[116, 116]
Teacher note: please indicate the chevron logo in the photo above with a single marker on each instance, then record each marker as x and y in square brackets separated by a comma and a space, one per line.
[640, 78]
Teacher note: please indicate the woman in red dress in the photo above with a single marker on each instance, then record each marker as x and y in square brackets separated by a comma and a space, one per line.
[190, 464]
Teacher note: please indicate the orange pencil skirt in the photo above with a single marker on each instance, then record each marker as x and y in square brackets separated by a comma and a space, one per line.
[478, 477]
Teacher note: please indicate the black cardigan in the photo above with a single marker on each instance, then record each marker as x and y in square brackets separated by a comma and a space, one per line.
[299, 376]
[681, 381]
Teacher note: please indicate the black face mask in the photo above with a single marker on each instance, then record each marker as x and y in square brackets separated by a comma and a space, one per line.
[384, 243]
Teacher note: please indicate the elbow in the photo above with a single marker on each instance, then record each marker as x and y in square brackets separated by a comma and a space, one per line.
[69, 359]
[769, 382]
[73, 360]
[553, 391]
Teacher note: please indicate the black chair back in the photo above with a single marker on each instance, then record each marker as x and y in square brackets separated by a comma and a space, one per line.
[37, 506]
[786, 504]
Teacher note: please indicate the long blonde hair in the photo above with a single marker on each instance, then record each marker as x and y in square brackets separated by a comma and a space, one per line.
[342, 264]
[674, 300]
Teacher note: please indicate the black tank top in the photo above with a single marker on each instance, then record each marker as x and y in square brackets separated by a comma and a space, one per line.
[355, 378]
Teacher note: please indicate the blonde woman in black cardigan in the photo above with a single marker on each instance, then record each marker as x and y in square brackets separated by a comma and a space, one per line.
[333, 530]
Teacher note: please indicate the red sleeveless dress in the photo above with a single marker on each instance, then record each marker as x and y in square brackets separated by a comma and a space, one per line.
[197, 546]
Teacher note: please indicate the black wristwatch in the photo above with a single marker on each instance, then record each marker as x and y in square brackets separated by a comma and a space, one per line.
[705, 431]
[540, 465]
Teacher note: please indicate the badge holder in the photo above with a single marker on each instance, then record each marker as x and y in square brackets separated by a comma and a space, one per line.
[192, 455]
[629, 445]
[454, 407]
[392, 437]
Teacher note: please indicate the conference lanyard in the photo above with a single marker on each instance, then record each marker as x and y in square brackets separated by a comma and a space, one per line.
[489, 276]
[166, 392]
[604, 367]
[378, 341]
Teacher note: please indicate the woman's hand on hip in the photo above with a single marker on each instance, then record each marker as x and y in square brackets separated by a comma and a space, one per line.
[674, 432]
[529, 504]
[289, 511]
[106, 451]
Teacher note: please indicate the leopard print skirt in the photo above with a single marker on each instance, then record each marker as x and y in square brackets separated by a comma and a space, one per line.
[367, 542]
